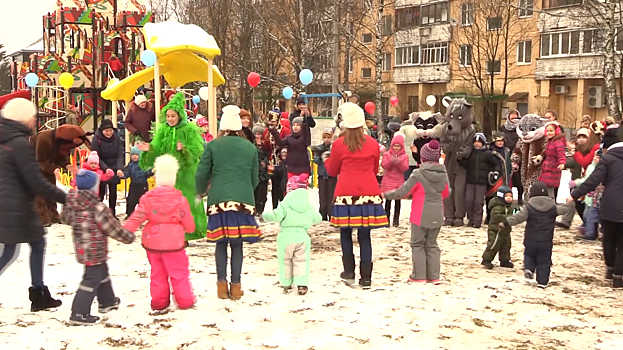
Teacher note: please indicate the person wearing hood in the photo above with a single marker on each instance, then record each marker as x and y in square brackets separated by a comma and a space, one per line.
[428, 185]
[540, 216]
[480, 163]
[297, 142]
[138, 185]
[21, 179]
[499, 240]
[71, 115]
[302, 111]
[177, 137]
[609, 172]
[168, 218]
[139, 118]
[108, 145]
[295, 215]
[510, 141]
[92, 224]
[395, 163]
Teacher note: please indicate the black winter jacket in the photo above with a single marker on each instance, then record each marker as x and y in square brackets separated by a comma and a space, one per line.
[20, 181]
[479, 163]
[609, 172]
[309, 121]
[510, 137]
[110, 151]
[540, 217]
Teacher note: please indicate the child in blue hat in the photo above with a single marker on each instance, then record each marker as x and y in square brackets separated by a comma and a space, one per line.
[138, 180]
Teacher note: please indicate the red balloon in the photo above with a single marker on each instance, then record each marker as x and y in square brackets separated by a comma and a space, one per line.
[253, 79]
[394, 101]
[369, 107]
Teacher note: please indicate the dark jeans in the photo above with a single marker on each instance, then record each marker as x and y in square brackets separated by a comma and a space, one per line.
[365, 244]
[95, 282]
[37, 252]
[261, 191]
[613, 245]
[388, 208]
[591, 220]
[326, 189]
[221, 261]
[112, 195]
[137, 190]
[538, 257]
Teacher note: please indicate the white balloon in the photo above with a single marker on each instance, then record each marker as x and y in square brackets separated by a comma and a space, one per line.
[430, 100]
[204, 93]
[446, 101]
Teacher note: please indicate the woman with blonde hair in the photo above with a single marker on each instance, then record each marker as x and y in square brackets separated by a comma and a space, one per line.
[354, 160]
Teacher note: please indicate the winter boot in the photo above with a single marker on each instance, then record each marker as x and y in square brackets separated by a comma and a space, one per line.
[487, 264]
[236, 291]
[508, 264]
[348, 275]
[365, 281]
[458, 223]
[609, 272]
[396, 222]
[617, 281]
[41, 299]
[82, 320]
[108, 308]
[222, 290]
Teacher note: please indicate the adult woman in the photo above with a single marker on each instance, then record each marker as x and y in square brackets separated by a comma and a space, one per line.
[20, 181]
[230, 165]
[358, 203]
[108, 145]
[181, 139]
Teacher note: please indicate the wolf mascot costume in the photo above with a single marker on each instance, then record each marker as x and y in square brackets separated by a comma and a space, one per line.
[527, 155]
[456, 141]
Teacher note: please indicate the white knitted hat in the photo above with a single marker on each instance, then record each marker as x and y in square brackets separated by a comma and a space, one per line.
[20, 110]
[230, 120]
[165, 168]
[352, 115]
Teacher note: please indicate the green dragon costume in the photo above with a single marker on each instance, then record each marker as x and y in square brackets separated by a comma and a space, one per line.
[165, 141]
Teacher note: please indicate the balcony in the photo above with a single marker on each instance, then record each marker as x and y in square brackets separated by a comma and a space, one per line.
[571, 67]
[422, 35]
[421, 74]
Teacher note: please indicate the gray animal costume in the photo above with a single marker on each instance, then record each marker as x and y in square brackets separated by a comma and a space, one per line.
[456, 142]
[527, 154]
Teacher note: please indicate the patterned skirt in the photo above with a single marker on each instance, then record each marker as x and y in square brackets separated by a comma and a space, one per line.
[359, 212]
[232, 221]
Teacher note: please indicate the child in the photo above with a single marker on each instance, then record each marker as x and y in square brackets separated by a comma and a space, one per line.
[396, 163]
[540, 215]
[479, 164]
[138, 184]
[297, 142]
[261, 191]
[202, 122]
[93, 164]
[168, 217]
[499, 240]
[429, 186]
[92, 223]
[279, 178]
[326, 183]
[295, 216]
[554, 158]
[589, 231]
[503, 175]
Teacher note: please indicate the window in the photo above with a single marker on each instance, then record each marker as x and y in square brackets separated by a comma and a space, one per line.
[494, 23]
[465, 55]
[526, 8]
[560, 3]
[422, 15]
[414, 103]
[407, 55]
[467, 14]
[494, 67]
[407, 17]
[522, 108]
[386, 28]
[350, 64]
[366, 73]
[434, 13]
[387, 62]
[366, 38]
[567, 43]
[434, 53]
[524, 52]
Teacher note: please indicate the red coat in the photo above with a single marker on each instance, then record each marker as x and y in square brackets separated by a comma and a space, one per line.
[357, 170]
[585, 160]
[115, 65]
[554, 156]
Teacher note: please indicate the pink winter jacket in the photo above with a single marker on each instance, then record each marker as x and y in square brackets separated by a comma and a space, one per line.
[168, 219]
[395, 165]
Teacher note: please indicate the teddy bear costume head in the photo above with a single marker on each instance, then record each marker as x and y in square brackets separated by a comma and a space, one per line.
[69, 137]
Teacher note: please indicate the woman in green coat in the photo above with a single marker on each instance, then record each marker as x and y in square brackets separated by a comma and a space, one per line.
[230, 166]
[175, 136]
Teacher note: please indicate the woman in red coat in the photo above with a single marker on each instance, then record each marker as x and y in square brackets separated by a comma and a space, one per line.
[354, 160]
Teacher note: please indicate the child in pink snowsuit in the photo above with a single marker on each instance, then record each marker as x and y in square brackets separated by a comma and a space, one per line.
[202, 122]
[168, 217]
[93, 164]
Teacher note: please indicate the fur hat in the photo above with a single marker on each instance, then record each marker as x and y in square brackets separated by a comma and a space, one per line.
[201, 121]
[352, 115]
[298, 120]
[327, 131]
[480, 137]
[538, 189]
[498, 136]
[19, 110]
[231, 118]
[135, 150]
[93, 158]
[245, 114]
[583, 132]
[258, 129]
[87, 180]
[274, 115]
[430, 152]
[165, 168]
[296, 182]
[138, 99]
[502, 191]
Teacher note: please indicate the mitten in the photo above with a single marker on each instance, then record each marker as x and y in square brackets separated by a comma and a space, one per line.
[515, 167]
[325, 155]
[494, 176]
[536, 160]
[110, 173]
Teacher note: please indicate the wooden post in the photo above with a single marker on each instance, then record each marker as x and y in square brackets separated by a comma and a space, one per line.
[127, 139]
[157, 88]
[114, 113]
[211, 100]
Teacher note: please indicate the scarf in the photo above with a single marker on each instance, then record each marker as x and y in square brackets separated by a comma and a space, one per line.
[509, 125]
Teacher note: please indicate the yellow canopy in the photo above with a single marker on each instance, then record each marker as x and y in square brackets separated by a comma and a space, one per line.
[166, 37]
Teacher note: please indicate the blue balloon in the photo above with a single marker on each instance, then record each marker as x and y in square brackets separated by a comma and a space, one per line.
[196, 99]
[148, 58]
[31, 80]
[306, 76]
[287, 92]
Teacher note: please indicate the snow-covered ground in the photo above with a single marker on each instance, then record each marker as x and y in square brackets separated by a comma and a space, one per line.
[473, 309]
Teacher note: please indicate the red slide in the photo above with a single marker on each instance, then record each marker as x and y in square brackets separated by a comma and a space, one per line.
[21, 93]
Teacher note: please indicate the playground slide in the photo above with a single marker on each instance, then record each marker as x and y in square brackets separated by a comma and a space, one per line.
[21, 93]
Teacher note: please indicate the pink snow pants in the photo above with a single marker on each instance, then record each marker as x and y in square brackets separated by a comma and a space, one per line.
[171, 266]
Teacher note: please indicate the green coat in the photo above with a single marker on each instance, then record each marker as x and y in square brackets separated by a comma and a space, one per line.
[230, 165]
[498, 244]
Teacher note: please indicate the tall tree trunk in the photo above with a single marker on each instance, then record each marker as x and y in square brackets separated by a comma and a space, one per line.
[378, 84]
[347, 45]
[610, 63]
